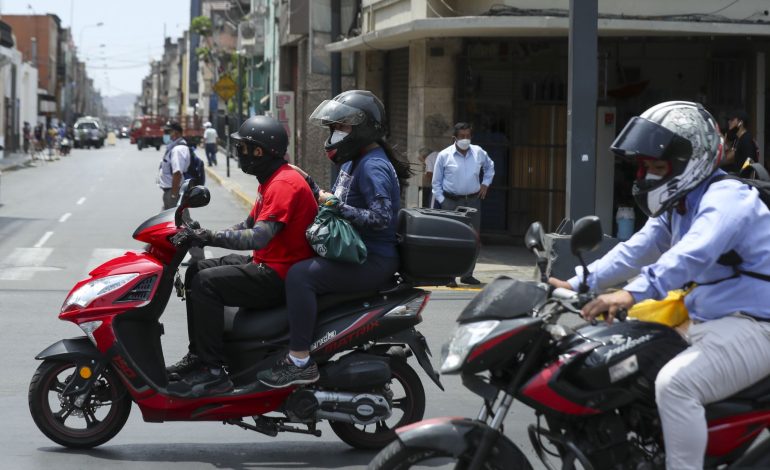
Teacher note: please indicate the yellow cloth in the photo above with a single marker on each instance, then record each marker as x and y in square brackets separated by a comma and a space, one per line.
[670, 311]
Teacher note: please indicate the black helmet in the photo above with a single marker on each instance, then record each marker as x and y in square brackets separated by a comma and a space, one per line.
[264, 132]
[360, 109]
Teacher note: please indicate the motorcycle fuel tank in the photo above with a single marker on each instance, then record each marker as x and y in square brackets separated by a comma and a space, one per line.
[624, 361]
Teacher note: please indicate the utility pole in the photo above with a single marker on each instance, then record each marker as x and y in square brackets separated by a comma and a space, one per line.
[581, 109]
[239, 96]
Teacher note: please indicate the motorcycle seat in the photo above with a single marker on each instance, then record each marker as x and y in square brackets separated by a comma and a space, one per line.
[248, 324]
[760, 392]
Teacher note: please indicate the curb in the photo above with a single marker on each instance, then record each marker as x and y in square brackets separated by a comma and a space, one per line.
[232, 187]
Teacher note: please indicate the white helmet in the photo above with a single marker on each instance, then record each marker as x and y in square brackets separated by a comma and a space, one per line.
[207, 124]
[681, 133]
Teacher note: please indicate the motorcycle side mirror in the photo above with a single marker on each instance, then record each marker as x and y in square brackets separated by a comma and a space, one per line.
[586, 236]
[534, 241]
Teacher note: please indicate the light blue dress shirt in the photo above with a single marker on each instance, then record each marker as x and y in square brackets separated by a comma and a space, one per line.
[674, 249]
[459, 174]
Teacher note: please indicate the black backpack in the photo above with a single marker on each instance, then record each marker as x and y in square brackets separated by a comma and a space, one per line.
[196, 171]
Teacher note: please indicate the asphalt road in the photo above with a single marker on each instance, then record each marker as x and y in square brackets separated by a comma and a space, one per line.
[61, 219]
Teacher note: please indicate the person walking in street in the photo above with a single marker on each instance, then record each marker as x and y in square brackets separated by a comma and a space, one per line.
[274, 230]
[739, 143]
[368, 190]
[176, 160]
[210, 141]
[27, 135]
[461, 178]
[696, 218]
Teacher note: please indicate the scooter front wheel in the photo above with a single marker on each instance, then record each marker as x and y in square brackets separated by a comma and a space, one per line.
[101, 415]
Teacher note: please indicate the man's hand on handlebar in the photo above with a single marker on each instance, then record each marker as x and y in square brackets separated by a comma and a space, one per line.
[612, 303]
[192, 236]
[559, 283]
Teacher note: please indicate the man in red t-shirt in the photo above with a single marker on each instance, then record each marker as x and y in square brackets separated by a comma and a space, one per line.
[274, 230]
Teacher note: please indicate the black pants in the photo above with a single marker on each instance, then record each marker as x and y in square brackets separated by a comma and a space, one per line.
[316, 276]
[233, 281]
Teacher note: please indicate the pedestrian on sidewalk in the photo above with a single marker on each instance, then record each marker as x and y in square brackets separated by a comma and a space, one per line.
[27, 135]
[428, 159]
[739, 143]
[368, 190]
[176, 160]
[274, 230]
[210, 141]
[461, 177]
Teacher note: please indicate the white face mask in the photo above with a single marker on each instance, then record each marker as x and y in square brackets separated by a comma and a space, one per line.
[463, 144]
[337, 136]
[652, 177]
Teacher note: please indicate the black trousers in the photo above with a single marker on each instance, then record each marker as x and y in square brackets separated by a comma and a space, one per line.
[232, 281]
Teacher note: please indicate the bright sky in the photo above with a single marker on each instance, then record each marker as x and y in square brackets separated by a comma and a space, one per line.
[132, 34]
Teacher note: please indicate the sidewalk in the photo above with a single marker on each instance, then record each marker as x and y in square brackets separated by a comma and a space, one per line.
[494, 260]
[14, 161]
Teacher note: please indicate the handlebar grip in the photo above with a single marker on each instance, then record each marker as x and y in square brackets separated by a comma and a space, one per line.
[562, 293]
[622, 314]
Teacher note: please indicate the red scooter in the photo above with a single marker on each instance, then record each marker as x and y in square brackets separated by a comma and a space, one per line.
[81, 394]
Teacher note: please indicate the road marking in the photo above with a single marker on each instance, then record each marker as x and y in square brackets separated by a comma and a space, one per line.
[81, 201]
[23, 263]
[43, 239]
[65, 217]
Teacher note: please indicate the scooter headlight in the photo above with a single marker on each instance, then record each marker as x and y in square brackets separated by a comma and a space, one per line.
[86, 293]
[463, 340]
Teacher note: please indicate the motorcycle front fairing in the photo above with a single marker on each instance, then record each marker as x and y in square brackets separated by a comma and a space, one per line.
[503, 299]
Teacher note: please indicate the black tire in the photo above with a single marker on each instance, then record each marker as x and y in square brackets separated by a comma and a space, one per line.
[107, 390]
[139, 145]
[157, 147]
[396, 456]
[411, 404]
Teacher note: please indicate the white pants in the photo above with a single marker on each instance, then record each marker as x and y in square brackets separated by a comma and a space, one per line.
[727, 355]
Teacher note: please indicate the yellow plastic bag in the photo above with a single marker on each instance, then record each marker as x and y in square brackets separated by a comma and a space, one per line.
[670, 311]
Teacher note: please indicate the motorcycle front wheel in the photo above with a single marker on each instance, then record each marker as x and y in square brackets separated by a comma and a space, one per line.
[99, 418]
[397, 456]
[408, 405]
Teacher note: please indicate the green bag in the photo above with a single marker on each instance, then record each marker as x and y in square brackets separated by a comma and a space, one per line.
[332, 237]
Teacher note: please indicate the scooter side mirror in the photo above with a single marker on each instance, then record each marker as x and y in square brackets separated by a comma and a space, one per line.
[197, 196]
[586, 236]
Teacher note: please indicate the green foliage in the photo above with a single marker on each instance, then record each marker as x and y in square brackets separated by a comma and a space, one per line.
[201, 25]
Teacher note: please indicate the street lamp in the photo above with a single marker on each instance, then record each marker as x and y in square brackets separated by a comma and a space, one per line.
[80, 37]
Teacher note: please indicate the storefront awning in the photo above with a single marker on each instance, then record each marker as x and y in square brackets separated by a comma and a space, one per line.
[534, 26]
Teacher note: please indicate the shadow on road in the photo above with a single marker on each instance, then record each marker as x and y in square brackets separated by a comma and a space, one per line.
[240, 456]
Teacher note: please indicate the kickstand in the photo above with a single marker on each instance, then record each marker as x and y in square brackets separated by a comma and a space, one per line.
[272, 426]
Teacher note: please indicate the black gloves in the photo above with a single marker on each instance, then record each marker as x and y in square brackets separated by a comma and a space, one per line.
[194, 237]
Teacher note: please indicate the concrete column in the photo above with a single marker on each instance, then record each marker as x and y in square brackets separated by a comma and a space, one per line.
[759, 127]
[432, 71]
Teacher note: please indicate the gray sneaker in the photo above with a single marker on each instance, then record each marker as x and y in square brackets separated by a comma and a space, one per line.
[285, 373]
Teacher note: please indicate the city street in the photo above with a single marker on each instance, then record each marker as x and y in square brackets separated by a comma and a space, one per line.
[60, 219]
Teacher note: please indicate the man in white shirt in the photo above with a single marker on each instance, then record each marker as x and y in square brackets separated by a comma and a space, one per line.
[176, 160]
[457, 180]
[210, 141]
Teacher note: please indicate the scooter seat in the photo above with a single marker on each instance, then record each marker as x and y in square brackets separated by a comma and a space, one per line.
[759, 392]
[249, 324]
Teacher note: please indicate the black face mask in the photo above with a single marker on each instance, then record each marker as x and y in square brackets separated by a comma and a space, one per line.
[262, 167]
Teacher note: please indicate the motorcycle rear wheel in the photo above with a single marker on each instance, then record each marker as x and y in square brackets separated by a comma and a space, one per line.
[397, 456]
[102, 415]
[408, 398]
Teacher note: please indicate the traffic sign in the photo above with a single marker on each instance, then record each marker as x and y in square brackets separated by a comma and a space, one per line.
[225, 87]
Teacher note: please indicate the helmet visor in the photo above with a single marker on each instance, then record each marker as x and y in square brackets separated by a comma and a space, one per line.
[644, 138]
[330, 112]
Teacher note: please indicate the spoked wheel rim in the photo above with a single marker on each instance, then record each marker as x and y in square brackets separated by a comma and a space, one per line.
[96, 414]
[406, 396]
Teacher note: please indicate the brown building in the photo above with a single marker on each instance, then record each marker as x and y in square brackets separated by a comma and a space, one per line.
[37, 37]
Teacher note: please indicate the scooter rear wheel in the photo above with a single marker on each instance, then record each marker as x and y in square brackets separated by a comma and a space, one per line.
[101, 416]
[407, 403]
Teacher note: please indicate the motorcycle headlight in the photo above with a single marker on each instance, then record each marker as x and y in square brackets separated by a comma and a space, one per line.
[464, 339]
[96, 288]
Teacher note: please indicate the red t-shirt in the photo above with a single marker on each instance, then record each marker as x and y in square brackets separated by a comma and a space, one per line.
[285, 198]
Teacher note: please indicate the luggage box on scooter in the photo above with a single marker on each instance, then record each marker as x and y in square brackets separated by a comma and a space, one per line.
[435, 245]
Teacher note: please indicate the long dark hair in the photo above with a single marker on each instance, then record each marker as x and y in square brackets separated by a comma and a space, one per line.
[399, 162]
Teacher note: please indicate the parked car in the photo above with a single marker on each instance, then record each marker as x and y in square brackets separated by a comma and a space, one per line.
[123, 132]
[89, 132]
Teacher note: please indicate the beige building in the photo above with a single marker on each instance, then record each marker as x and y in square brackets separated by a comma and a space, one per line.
[503, 67]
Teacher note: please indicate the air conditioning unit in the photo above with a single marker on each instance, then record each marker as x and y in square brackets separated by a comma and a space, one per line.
[251, 37]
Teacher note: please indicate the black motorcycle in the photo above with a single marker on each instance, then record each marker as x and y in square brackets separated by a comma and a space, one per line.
[592, 388]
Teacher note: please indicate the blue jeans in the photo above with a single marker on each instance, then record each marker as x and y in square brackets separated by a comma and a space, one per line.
[211, 154]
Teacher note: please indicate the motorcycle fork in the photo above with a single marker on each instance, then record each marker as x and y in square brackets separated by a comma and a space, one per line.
[492, 432]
